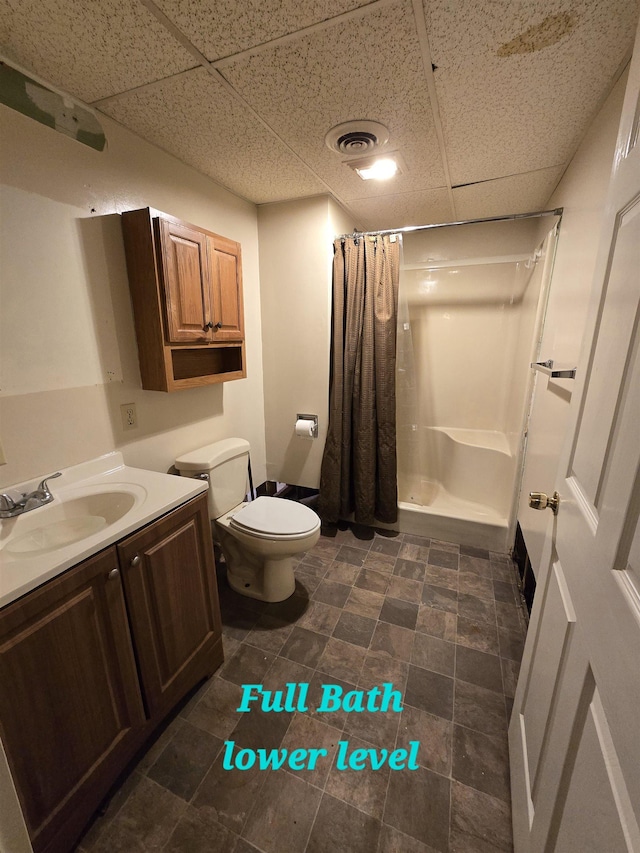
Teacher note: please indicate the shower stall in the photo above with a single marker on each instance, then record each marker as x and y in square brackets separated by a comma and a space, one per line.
[472, 298]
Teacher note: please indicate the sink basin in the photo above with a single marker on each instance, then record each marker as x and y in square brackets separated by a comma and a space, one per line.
[96, 503]
[67, 521]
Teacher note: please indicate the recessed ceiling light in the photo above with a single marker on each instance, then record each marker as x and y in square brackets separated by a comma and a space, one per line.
[380, 168]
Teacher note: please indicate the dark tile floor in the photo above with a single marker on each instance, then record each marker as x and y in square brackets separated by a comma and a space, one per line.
[442, 623]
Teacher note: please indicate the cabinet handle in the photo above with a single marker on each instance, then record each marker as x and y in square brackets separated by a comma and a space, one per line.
[113, 575]
[135, 561]
[218, 326]
[209, 325]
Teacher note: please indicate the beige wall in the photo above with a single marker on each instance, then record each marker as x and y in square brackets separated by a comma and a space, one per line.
[295, 273]
[68, 355]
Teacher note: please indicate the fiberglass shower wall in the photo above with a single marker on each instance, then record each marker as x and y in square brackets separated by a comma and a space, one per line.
[472, 299]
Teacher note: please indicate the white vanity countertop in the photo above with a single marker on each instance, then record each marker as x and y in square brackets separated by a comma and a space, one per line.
[150, 493]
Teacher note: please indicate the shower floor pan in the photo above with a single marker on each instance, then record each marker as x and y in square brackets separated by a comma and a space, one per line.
[452, 519]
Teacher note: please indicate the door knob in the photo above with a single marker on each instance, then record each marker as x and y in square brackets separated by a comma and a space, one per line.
[538, 500]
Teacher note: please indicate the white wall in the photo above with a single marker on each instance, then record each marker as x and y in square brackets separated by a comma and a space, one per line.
[68, 355]
[296, 254]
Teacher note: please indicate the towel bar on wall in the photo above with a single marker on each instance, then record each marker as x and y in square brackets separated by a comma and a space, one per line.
[546, 367]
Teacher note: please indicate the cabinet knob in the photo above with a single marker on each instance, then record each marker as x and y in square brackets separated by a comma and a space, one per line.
[218, 325]
[209, 325]
[135, 561]
[113, 575]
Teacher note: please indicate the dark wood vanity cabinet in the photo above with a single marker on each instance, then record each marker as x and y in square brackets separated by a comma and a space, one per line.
[186, 289]
[92, 661]
[70, 703]
[170, 585]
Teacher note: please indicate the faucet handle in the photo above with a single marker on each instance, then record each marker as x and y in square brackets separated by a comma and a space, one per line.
[11, 502]
[7, 502]
[43, 485]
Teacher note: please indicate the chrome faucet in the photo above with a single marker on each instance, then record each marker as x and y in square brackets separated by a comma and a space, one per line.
[13, 503]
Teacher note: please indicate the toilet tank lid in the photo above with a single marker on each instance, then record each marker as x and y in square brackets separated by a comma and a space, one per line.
[212, 455]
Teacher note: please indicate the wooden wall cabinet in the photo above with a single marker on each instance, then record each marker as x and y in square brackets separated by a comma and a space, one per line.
[186, 288]
[92, 661]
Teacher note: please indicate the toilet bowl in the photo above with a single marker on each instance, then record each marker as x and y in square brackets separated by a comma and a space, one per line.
[259, 538]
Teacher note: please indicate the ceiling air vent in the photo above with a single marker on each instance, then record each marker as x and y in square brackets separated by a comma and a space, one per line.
[357, 137]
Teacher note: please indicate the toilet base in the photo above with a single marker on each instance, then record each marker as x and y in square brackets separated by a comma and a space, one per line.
[273, 581]
[261, 568]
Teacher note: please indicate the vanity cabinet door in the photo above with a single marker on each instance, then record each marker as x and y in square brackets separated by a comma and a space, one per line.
[202, 277]
[70, 704]
[186, 274]
[170, 584]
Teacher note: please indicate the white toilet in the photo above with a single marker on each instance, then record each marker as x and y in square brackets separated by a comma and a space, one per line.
[258, 539]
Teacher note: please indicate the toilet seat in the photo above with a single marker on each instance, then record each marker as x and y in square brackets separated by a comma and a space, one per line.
[275, 518]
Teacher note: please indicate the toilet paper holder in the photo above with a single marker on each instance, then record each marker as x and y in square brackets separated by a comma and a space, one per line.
[314, 418]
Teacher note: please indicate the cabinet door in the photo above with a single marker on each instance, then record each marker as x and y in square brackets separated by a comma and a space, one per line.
[186, 278]
[169, 577]
[70, 705]
[226, 264]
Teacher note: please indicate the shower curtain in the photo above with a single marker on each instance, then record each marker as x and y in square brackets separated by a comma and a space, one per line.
[358, 472]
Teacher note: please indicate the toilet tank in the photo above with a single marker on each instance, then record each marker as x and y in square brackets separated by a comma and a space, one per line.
[226, 463]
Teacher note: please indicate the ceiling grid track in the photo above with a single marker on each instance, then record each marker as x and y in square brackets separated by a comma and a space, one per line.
[211, 68]
[312, 29]
[178, 35]
[511, 175]
[425, 50]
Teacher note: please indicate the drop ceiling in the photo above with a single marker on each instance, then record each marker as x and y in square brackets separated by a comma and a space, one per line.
[486, 101]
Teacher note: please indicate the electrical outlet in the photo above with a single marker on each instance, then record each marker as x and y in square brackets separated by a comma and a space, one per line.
[129, 417]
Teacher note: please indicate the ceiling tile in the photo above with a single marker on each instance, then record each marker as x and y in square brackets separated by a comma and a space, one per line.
[400, 211]
[516, 112]
[195, 118]
[516, 194]
[219, 28]
[368, 68]
[90, 49]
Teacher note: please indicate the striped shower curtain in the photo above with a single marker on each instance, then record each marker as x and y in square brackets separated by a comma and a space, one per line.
[359, 463]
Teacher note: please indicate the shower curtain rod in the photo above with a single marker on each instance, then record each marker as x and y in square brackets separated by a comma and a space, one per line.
[409, 228]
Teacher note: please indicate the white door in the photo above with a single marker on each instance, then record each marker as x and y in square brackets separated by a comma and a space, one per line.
[575, 731]
[585, 187]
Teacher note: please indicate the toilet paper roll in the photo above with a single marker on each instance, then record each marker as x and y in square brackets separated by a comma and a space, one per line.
[304, 428]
